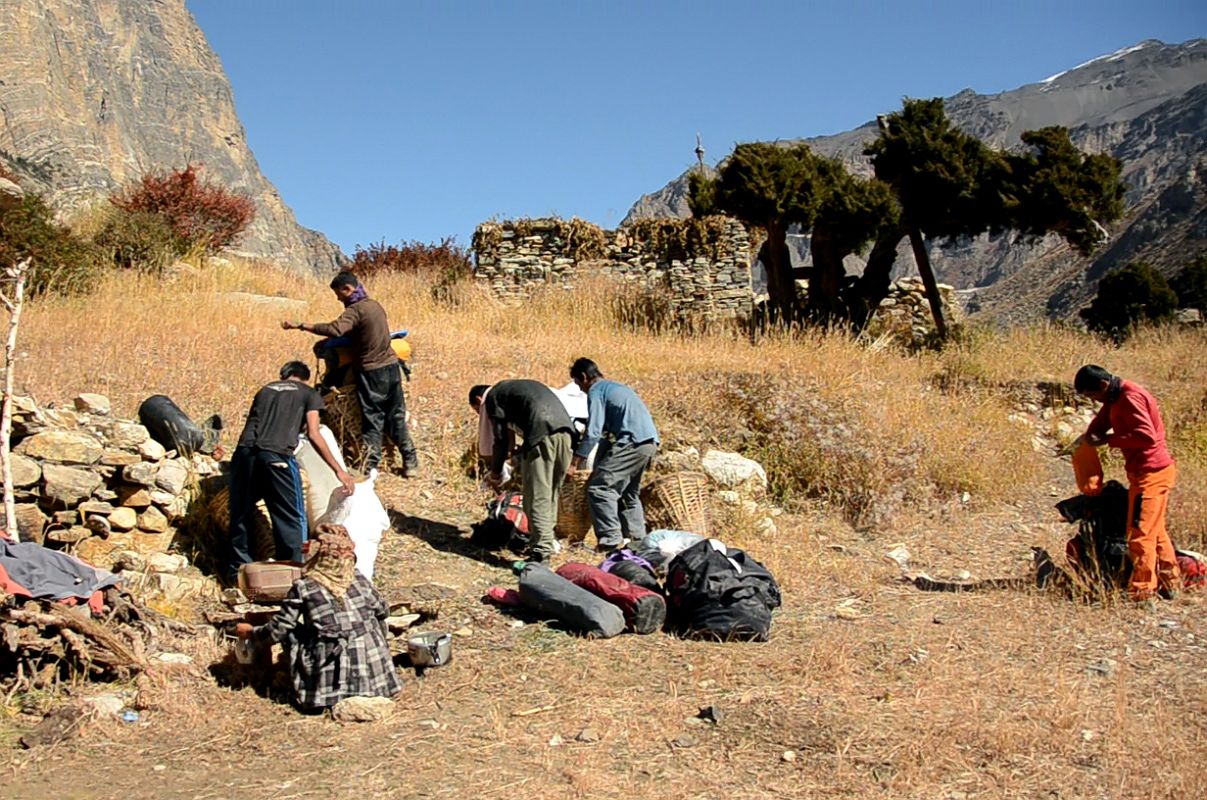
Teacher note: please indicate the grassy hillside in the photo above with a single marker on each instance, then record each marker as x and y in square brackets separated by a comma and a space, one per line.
[868, 687]
[871, 429]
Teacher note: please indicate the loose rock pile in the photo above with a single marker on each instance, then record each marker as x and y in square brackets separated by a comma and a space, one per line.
[103, 489]
[905, 312]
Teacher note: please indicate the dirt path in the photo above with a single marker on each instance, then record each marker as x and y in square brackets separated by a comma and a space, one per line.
[1003, 694]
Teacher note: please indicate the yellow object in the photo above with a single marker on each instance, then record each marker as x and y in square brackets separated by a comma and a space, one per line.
[402, 349]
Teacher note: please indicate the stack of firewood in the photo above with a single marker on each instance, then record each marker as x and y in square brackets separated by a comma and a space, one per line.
[45, 644]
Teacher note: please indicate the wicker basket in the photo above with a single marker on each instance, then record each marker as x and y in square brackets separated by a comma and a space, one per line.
[261, 543]
[573, 513]
[343, 417]
[678, 501]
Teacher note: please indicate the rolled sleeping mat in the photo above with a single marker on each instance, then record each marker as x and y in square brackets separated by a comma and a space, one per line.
[549, 594]
[644, 611]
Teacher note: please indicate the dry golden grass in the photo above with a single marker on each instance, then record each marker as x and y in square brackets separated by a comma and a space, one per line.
[920, 695]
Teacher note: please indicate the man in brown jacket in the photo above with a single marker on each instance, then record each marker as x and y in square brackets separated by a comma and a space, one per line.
[379, 379]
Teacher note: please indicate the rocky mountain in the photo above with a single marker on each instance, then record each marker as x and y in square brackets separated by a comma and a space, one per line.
[1146, 104]
[95, 93]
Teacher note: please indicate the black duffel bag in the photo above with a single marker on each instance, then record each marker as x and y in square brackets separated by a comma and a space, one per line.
[709, 597]
[173, 428]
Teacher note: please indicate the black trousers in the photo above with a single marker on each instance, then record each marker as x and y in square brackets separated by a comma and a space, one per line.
[383, 408]
[274, 478]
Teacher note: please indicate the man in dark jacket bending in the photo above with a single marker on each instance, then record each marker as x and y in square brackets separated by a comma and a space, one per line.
[379, 379]
[532, 409]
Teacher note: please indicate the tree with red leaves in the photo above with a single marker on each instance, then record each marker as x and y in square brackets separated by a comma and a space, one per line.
[199, 213]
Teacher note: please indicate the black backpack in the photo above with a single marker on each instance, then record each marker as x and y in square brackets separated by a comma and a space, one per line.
[1101, 541]
[707, 597]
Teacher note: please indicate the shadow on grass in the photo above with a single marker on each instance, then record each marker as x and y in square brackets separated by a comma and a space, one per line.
[447, 538]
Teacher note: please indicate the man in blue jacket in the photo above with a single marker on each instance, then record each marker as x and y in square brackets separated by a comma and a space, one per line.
[621, 424]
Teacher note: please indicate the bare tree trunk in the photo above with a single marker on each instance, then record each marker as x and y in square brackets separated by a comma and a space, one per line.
[17, 273]
[824, 304]
[781, 288]
[928, 280]
[874, 284]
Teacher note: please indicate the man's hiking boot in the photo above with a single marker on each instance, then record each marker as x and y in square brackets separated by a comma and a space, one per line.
[609, 549]
[1168, 593]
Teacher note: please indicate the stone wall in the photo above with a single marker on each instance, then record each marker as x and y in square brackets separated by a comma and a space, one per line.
[516, 257]
[519, 258]
[102, 488]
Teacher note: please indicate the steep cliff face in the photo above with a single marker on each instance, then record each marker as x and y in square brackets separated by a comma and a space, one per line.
[1147, 105]
[95, 93]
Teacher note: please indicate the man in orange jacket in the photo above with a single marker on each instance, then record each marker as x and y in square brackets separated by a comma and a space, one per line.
[1131, 421]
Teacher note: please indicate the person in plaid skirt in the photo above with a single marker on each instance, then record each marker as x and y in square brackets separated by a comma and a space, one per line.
[332, 626]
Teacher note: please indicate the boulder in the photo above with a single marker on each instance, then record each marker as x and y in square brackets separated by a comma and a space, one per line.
[362, 709]
[104, 552]
[62, 418]
[128, 434]
[11, 195]
[26, 471]
[142, 473]
[93, 507]
[123, 519]
[119, 458]
[151, 450]
[64, 447]
[133, 496]
[98, 525]
[172, 476]
[91, 403]
[70, 536]
[733, 471]
[166, 562]
[153, 520]
[1189, 316]
[30, 522]
[178, 507]
[67, 486]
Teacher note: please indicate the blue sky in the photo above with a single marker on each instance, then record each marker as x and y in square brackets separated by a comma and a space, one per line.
[403, 121]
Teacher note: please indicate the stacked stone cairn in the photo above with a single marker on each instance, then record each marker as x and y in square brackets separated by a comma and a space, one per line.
[102, 489]
[905, 314]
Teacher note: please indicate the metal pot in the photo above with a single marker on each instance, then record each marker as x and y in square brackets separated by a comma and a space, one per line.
[431, 649]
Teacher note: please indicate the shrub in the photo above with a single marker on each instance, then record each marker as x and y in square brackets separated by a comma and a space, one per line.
[1190, 284]
[60, 261]
[643, 308]
[138, 240]
[199, 214]
[445, 262]
[1129, 297]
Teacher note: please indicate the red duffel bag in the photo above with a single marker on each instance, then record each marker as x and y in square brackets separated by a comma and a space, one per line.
[644, 611]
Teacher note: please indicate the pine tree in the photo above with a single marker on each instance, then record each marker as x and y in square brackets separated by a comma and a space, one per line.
[1128, 297]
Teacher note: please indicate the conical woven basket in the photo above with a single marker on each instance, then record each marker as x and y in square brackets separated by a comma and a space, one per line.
[343, 417]
[573, 513]
[679, 501]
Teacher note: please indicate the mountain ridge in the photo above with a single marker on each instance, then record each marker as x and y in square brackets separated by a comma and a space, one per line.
[95, 93]
[1140, 103]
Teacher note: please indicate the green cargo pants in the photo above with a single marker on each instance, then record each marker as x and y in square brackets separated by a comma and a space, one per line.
[543, 469]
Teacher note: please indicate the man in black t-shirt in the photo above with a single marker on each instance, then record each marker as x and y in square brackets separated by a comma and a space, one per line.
[532, 409]
[263, 466]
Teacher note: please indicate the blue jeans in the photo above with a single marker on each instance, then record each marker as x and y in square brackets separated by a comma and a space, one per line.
[613, 491]
[274, 478]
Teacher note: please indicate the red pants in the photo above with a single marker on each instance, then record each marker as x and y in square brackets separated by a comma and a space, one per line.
[1154, 563]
